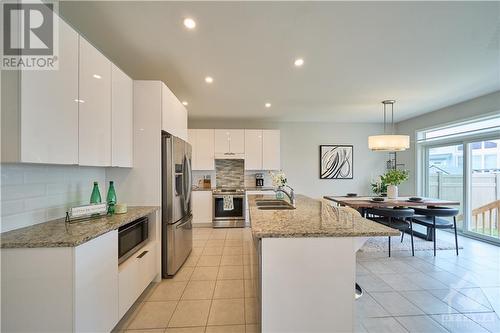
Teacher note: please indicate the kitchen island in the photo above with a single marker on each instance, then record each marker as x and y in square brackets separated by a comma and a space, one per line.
[304, 264]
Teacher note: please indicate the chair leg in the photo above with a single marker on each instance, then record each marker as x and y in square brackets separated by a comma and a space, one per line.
[389, 246]
[402, 235]
[456, 238]
[434, 233]
[411, 234]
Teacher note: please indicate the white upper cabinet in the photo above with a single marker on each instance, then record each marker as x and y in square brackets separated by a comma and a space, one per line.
[40, 123]
[221, 141]
[271, 157]
[253, 149]
[229, 142]
[202, 142]
[174, 114]
[95, 107]
[122, 90]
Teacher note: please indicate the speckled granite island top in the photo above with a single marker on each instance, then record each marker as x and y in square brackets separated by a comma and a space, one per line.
[308, 220]
[57, 233]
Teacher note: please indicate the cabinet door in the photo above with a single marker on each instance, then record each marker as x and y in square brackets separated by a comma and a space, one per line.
[222, 138]
[202, 207]
[237, 141]
[271, 159]
[94, 140]
[174, 114]
[253, 149]
[96, 284]
[49, 107]
[205, 150]
[121, 118]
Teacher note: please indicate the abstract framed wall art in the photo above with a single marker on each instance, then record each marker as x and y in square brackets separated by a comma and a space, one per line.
[336, 161]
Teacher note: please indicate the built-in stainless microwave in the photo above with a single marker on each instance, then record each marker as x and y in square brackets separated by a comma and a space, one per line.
[131, 237]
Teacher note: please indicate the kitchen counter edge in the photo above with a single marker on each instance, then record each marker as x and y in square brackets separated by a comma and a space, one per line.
[307, 221]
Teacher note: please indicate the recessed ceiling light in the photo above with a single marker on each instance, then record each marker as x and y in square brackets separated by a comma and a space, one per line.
[184, 103]
[209, 79]
[298, 62]
[267, 105]
[189, 23]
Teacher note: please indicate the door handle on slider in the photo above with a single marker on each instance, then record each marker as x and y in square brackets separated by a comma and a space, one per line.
[142, 254]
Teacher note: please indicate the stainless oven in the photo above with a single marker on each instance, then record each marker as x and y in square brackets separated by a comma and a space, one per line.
[131, 237]
[235, 217]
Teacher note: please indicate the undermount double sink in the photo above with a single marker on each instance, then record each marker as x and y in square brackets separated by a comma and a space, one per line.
[273, 204]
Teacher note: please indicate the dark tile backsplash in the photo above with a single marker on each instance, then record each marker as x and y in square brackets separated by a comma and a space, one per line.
[230, 173]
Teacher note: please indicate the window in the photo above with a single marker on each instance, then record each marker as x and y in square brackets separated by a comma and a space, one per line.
[490, 124]
[490, 161]
[463, 164]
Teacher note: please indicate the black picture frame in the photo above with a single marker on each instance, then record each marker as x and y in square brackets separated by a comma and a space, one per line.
[339, 153]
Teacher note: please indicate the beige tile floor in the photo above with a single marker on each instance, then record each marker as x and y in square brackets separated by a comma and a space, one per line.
[211, 293]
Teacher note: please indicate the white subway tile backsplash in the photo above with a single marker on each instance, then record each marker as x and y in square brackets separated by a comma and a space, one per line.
[23, 220]
[35, 203]
[10, 207]
[33, 194]
[12, 175]
[21, 191]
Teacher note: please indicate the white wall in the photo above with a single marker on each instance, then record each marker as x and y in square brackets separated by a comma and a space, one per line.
[300, 152]
[33, 194]
[454, 113]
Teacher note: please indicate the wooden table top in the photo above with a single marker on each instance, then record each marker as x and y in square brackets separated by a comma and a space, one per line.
[366, 202]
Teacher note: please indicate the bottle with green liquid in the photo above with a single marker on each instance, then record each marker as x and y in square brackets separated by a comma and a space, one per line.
[95, 197]
[111, 198]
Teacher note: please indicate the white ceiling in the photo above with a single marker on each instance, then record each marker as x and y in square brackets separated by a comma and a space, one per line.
[424, 55]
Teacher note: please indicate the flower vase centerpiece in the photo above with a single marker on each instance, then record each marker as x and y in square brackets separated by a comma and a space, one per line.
[392, 179]
[279, 181]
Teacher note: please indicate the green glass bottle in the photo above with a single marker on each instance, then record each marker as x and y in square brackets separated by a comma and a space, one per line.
[95, 197]
[111, 198]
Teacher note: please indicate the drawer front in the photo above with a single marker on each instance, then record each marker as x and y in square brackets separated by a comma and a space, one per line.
[147, 260]
[134, 276]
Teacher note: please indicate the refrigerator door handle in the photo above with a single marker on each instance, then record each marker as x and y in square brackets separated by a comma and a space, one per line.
[188, 180]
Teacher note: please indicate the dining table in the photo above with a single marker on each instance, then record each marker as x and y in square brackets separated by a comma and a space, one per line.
[362, 203]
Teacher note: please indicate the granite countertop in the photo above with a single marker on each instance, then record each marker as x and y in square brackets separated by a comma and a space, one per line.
[309, 220]
[57, 233]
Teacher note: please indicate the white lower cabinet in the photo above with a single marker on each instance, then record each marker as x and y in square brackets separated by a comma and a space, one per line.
[96, 284]
[202, 207]
[72, 289]
[134, 275]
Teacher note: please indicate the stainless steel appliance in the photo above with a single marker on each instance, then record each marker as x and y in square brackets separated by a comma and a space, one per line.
[131, 237]
[177, 233]
[259, 180]
[234, 218]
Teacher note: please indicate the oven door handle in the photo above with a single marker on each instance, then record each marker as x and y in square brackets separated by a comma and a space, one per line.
[130, 226]
[220, 196]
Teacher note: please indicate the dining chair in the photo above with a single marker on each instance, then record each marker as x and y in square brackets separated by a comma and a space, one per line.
[434, 218]
[397, 218]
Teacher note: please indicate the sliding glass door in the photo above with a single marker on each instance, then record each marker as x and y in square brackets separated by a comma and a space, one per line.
[461, 162]
[484, 188]
[445, 175]
[468, 172]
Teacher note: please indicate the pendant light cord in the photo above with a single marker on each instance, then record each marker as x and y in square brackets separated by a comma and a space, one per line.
[384, 119]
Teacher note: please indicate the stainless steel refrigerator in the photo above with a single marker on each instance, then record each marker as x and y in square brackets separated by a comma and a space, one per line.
[177, 229]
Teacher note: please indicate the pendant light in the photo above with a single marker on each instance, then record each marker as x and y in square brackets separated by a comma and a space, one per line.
[389, 142]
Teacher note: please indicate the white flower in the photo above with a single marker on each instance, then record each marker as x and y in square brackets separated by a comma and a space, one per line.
[279, 178]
